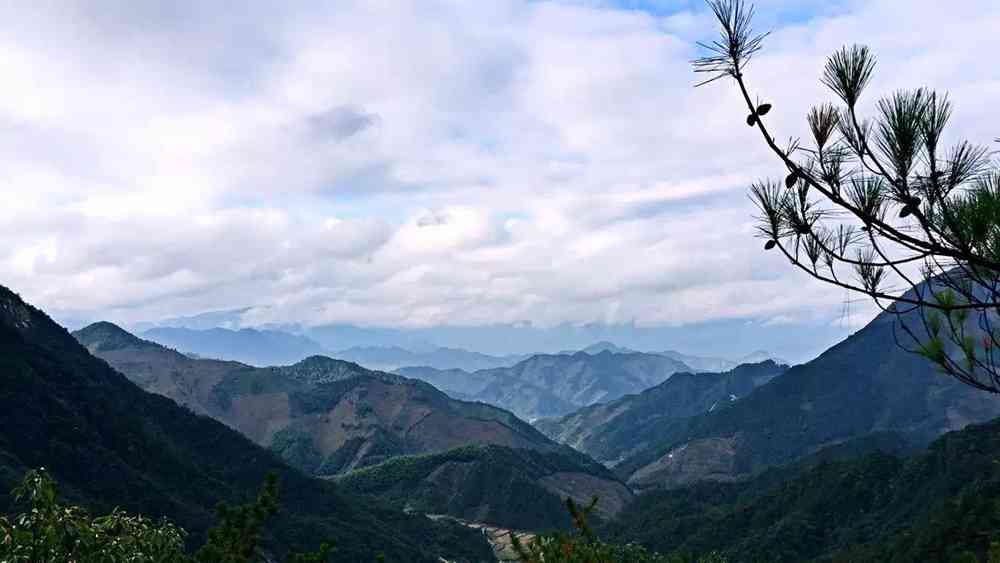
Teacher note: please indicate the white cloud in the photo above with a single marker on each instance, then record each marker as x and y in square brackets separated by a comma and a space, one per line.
[419, 163]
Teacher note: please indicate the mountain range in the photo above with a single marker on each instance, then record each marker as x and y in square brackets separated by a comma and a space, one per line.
[610, 432]
[393, 357]
[546, 385]
[329, 417]
[109, 444]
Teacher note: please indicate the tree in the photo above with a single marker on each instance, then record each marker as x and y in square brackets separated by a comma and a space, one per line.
[879, 206]
[585, 547]
[52, 532]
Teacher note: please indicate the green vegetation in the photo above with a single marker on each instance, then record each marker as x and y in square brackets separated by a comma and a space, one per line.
[52, 532]
[936, 506]
[490, 484]
[583, 546]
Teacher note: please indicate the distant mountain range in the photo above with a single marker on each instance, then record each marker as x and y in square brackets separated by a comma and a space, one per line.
[246, 345]
[110, 444]
[392, 358]
[729, 339]
[270, 347]
[546, 385]
[329, 417]
[696, 363]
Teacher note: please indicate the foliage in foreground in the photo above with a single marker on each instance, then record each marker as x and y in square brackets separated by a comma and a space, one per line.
[53, 532]
[878, 204]
[583, 546]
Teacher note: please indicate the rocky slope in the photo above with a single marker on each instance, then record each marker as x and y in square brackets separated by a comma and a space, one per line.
[110, 444]
[322, 415]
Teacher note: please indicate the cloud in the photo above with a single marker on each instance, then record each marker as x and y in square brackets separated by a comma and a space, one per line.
[421, 163]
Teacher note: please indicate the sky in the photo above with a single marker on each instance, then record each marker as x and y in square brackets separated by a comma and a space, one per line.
[430, 163]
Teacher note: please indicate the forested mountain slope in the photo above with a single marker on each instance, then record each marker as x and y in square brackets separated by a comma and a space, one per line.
[110, 444]
[880, 507]
[513, 488]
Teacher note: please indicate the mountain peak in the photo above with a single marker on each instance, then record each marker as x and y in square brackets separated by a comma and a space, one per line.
[106, 336]
[324, 369]
[605, 346]
[14, 312]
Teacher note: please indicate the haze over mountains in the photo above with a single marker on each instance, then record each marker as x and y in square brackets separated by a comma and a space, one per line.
[730, 340]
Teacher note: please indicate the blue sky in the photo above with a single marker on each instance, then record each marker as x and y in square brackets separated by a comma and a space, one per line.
[433, 163]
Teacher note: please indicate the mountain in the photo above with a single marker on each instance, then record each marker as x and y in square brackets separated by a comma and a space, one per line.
[703, 363]
[389, 358]
[514, 488]
[604, 346]
[322, 415]
[247, 345]
[329, 417]
[110, 444]
[761, 356]
[865, 384]
[458, 383]
[880, 507]
[230, 318]
[553, 385]
[609, 432]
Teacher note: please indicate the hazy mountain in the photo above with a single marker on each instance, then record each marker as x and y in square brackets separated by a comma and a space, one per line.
[609, 432]
[761, 356]
[603, 346]
[696, 363]
[230, 318]
[837, 506]
[552, 385]
[520, 489]
[796, 342]
[865, 384]
[109, 444]
[703, 363]
[393, 357]
[246, 345]
[458, 383]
